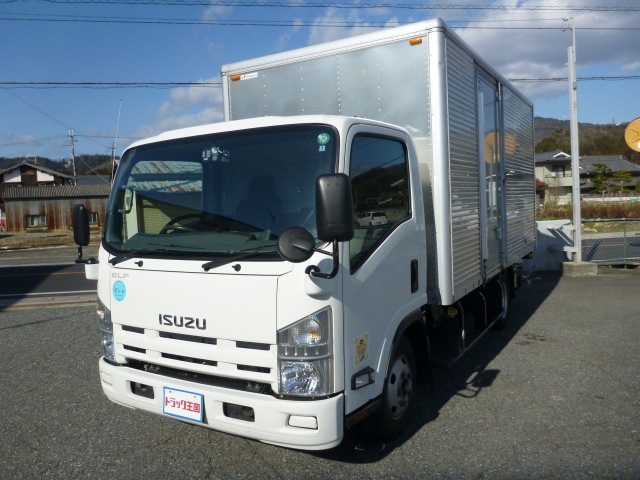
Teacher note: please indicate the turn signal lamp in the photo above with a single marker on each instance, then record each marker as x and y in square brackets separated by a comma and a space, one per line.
[415, 41]
[235, 78]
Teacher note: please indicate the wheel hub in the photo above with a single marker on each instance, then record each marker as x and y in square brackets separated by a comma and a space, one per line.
[400, 387]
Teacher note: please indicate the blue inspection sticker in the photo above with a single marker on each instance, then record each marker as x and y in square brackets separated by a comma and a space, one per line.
[119, 291]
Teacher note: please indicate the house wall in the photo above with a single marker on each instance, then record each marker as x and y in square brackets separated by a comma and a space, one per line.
[12, 177]
[59, 212]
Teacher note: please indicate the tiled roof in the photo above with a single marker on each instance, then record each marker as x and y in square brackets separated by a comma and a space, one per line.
[614, 162]
[93, 179]
[554, 156]
[37, 167]
[61, 191]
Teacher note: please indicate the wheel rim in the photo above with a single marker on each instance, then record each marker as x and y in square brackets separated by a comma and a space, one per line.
[505, 298]
[399, 387]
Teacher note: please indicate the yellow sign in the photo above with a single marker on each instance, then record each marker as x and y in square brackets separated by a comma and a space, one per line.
[361, 345]
[632, 135]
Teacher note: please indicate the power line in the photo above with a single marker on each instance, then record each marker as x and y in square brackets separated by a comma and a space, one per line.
[104, 85]
[282, 23]
[59, 122]
[564, 79]
[232, 3]
[35, 140]
[5, 85]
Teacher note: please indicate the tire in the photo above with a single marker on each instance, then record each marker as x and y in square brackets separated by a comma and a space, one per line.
[391, 418]
[504, 297]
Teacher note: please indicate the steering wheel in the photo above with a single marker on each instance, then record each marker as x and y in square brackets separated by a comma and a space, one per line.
[172, 227]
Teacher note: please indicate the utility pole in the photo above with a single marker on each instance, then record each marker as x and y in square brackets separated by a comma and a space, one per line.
[73, 156]
[575, 147]
[115, 144]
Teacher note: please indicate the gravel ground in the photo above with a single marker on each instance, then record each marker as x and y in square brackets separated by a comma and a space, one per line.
[556, 394]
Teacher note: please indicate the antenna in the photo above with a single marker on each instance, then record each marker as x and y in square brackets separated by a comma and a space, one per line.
[115, 144]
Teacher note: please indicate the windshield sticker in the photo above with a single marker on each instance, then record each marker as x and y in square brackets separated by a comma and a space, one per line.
[249, 76]
[119, 291]
[321, 148]
[361, 345]
[323, 138]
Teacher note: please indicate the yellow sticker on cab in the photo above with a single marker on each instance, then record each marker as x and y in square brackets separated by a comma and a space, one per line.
[361, 345]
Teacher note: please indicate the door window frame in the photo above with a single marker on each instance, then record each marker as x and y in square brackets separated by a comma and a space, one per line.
[389, 134]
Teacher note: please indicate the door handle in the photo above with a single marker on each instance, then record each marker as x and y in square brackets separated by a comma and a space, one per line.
[414, 276]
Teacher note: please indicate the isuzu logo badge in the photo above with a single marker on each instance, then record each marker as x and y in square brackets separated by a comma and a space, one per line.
[183, 322]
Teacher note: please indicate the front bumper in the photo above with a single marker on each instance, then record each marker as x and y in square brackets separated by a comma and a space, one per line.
[271, 414]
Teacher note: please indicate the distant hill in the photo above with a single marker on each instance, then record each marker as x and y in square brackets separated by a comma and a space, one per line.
[85, 164]
[552, 134]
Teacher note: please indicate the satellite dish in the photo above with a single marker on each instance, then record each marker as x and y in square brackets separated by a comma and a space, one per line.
[632, 135]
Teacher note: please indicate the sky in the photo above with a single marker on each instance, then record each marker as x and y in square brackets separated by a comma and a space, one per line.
[186, 41]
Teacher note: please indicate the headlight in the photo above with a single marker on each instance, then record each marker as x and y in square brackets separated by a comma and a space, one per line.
[305, 363]
[106, 331]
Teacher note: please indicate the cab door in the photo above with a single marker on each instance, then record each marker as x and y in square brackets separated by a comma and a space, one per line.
[384, 265]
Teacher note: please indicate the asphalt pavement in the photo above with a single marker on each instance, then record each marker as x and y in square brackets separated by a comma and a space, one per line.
[42, 277]
[556, 394]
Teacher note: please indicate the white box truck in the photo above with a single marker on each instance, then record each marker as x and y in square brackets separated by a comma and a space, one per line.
[240, 283]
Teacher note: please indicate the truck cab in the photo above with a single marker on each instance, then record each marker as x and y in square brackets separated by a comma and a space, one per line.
[204, 320]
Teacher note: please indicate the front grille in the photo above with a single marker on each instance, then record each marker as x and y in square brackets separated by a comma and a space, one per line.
[134, 349]
[199, 361]
[250, 368]
[127, 328]
[188, 338]
[253, 346]
[213, 380]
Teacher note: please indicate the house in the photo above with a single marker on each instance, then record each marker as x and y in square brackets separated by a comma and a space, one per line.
[37, 199]
[615, 163]
[553, 178]
[26, 174]
[50, 208]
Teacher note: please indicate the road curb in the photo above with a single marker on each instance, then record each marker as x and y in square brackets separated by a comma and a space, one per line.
[47, 301]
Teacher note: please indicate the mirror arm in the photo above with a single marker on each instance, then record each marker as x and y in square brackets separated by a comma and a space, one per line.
[89, 261]
[314, 271]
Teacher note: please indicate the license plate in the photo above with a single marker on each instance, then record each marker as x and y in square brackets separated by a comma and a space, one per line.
[182, 404]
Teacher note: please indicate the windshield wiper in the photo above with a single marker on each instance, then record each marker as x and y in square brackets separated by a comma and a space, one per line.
[242, 254]
[135, 253]
[144, 253]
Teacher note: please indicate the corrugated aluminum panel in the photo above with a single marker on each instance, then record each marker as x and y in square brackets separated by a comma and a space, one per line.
[463, 170]
[520, 176]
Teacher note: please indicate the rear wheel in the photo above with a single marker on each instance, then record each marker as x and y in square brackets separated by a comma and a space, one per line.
[391, 418]
[504, 297]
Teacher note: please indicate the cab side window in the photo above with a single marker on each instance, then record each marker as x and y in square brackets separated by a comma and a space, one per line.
[379, 184]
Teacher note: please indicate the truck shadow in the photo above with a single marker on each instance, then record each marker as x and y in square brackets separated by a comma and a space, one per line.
[467, 378]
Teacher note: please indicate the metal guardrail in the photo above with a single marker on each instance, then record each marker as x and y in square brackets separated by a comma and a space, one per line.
[612, 241]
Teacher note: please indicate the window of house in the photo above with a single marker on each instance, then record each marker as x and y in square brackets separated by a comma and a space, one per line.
[93, 218]
[558, 170]
[36, 220]
[379, 184]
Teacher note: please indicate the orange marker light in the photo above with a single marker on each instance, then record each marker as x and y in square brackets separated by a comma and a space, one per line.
[415, 41]
[235, 78]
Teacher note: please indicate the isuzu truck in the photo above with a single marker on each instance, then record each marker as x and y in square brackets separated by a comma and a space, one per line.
[284, 274]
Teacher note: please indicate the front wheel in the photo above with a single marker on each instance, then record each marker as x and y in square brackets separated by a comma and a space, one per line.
[392, 417]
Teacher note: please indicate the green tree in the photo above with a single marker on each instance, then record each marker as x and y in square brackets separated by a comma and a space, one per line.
[620, 178]
[599, 177]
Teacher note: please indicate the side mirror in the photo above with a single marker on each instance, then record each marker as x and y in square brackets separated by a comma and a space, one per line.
[334, 208]
[80, 225]
[296, 244]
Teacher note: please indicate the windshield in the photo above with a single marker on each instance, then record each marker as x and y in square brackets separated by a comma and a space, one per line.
[222, 194]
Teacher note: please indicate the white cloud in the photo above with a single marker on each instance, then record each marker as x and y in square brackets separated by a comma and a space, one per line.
[186, 107]
[543, 53]
[8, 138]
